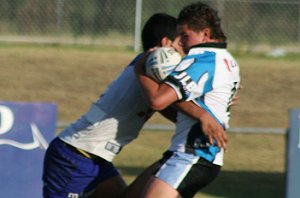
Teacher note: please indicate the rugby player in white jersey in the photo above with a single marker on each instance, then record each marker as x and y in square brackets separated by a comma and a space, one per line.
[78, 162]
[209, 77]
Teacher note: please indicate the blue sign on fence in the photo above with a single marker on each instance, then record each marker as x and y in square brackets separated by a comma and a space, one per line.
[25, 132]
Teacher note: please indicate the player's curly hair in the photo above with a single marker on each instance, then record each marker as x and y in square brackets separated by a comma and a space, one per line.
[198, 16]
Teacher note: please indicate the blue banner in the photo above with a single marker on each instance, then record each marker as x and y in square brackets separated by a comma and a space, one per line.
[25, 132]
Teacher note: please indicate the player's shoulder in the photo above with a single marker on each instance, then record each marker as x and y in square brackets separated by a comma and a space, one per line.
[137, 57]
[191, 62]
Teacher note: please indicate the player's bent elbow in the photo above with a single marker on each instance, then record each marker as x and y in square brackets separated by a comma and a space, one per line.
[156, 105]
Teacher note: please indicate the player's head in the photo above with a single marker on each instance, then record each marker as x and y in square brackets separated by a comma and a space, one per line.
[199, 23]
[159, 30]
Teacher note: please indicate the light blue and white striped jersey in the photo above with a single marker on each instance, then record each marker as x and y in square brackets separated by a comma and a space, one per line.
[208, 76]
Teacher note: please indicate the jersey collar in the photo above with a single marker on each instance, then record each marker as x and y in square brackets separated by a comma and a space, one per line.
[200, 48]
[221, 45]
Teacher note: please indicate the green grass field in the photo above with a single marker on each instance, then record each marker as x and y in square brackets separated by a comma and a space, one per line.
[254, 165]
[74, 76]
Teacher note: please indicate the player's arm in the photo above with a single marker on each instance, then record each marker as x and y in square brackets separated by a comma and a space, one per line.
[159, 96]
[208, 124]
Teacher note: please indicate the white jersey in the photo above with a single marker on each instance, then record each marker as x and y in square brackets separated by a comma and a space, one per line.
[112, 121]
[208, 76]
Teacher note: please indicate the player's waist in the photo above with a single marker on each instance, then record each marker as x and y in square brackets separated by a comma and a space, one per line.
[81, 152]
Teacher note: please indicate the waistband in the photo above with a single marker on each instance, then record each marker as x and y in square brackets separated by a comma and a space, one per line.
[81, 152]
[202, 161]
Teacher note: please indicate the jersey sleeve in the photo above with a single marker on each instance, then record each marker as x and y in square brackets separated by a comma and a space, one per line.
[192, 78]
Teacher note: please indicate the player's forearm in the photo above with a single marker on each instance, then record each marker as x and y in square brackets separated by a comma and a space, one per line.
[150, 89]
[159, 96]
[190, 109]
[209, 125]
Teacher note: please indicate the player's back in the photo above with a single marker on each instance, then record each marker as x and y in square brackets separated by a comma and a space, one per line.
[113, 120]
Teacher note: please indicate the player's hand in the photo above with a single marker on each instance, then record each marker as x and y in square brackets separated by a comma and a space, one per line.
[140, 64]
[236, 97]
[208, 125]
[214, 131]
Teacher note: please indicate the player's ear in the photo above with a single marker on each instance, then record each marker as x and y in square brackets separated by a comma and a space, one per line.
[207, 33]
[166, 42]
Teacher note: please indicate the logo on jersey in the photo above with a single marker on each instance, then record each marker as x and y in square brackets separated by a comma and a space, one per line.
[186, 81]
[112, 147]
[230, 65]
[190, 88]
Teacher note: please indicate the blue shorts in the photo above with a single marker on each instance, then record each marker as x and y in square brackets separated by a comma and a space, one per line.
[68, 174]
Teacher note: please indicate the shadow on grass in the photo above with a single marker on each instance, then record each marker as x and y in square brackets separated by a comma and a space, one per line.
[238, 184]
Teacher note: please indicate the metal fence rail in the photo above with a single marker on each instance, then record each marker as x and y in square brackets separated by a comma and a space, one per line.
[169, 127]
[260, 130]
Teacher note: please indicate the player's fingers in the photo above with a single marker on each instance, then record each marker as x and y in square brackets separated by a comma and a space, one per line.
[225, 138]
[225, 147]
[211, 140]
[225, 141]
[218, 140]
[221, 139]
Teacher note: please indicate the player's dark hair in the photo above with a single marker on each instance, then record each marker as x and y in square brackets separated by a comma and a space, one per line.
[198, 16]
[158, 26]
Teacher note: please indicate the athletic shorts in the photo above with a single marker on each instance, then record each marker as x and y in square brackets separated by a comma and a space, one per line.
[187, 173]
[68, 174]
